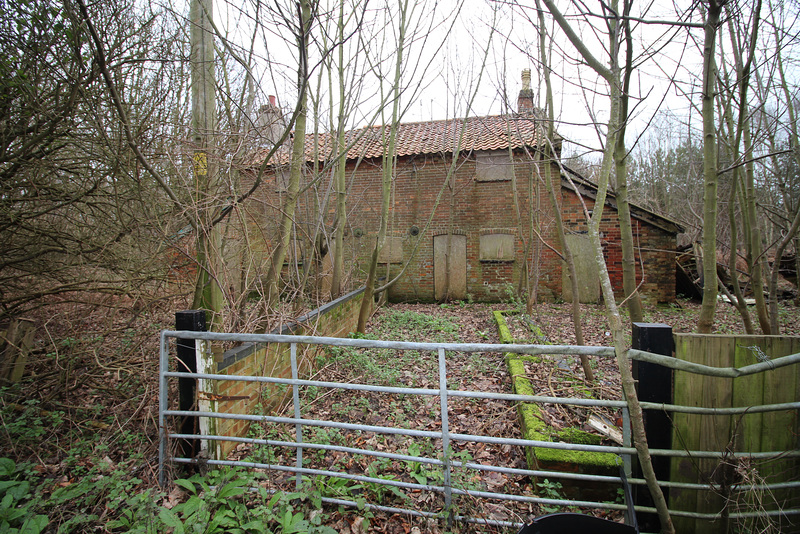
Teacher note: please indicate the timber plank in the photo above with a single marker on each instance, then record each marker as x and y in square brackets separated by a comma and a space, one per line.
[747, 391]
[715, 430]
[690, 429]
[780, 429]
[684, 429]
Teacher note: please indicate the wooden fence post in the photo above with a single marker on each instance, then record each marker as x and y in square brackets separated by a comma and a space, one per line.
[16, 342]
[193, 321]
[653, 384]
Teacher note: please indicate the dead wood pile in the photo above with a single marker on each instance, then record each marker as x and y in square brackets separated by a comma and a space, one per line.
[689, 273]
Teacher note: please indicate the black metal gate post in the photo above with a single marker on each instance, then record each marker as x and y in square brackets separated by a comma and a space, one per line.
[653, 384]
[193, 321]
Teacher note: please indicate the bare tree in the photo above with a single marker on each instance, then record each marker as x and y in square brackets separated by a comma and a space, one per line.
[712, 20]
[302, 34]
[739, 134]
[616, 22]
[77, 214]
[617, 77]
[788, 186]
[546, 157]
[389, 159]
[208, 293]
[411, 28]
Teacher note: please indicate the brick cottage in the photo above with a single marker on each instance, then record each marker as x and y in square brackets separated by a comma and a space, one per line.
[468, 195]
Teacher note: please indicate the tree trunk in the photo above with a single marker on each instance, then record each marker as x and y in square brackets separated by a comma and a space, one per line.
[340, 188]
[388, 168]
[615, 324]
[739, 135]
[551, 190]
[796, 273]
[208, 293]
[741, 305]
[620, 346]
[629, 286]
[733, 199]
[755, 251]
[295, 171]
[706, 320]
[793, 208]
[448, 257]
[534, 246]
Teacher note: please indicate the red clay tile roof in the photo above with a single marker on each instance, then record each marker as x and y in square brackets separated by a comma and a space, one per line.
[497, 132]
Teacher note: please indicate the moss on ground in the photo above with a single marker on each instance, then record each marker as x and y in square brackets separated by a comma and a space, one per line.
[502, 327]
[534, 427]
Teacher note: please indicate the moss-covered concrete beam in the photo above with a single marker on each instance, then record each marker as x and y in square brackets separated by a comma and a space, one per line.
[534, 427]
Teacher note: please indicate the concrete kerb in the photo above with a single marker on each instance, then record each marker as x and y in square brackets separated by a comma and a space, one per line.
[534, 428]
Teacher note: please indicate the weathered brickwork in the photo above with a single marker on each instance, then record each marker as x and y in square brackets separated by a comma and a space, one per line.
[425, 204]
[654, 252]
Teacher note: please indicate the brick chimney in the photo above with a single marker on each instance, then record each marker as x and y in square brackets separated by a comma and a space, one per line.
[525, 99]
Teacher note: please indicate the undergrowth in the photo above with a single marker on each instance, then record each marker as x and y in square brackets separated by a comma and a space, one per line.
[90, 466]
[99, 495]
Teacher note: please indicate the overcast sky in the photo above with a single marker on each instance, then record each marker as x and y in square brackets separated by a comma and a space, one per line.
[475, 51]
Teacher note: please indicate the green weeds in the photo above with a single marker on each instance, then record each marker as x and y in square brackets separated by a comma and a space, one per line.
[16, 504]
[221, 501]
[548, 489]
[411, 325]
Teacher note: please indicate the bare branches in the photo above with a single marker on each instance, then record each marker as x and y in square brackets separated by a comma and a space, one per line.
[99, 54]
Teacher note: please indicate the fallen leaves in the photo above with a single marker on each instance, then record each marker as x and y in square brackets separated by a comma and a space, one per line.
[176, 496]
[556, 376]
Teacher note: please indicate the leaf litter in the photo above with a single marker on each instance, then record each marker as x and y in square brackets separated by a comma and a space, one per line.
[101, 399]
[485, 372]
[482, 372]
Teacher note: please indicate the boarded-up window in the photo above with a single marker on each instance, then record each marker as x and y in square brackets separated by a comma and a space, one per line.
[497, 247]
[392, 250]
[585, 267]
[494, 166]
[282, 178]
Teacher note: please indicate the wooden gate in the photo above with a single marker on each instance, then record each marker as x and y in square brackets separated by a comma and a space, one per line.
[754, 432]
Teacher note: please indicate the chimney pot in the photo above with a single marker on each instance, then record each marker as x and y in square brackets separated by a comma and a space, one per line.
[270, 123]
[526, 79]
[525, 99]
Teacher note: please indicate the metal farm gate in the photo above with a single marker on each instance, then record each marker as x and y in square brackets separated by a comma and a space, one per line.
[444, 486]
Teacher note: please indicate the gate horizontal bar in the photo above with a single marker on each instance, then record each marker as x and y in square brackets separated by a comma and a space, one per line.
[487, 439]
[481, 467]
[402, 345]
[442, 486]
[494, 396]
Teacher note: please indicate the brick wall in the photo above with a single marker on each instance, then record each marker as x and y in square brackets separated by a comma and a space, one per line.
[464, 206]
[423, 206]
[654, 249]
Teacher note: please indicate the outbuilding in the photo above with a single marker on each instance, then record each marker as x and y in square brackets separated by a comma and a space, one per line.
[469, 215]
